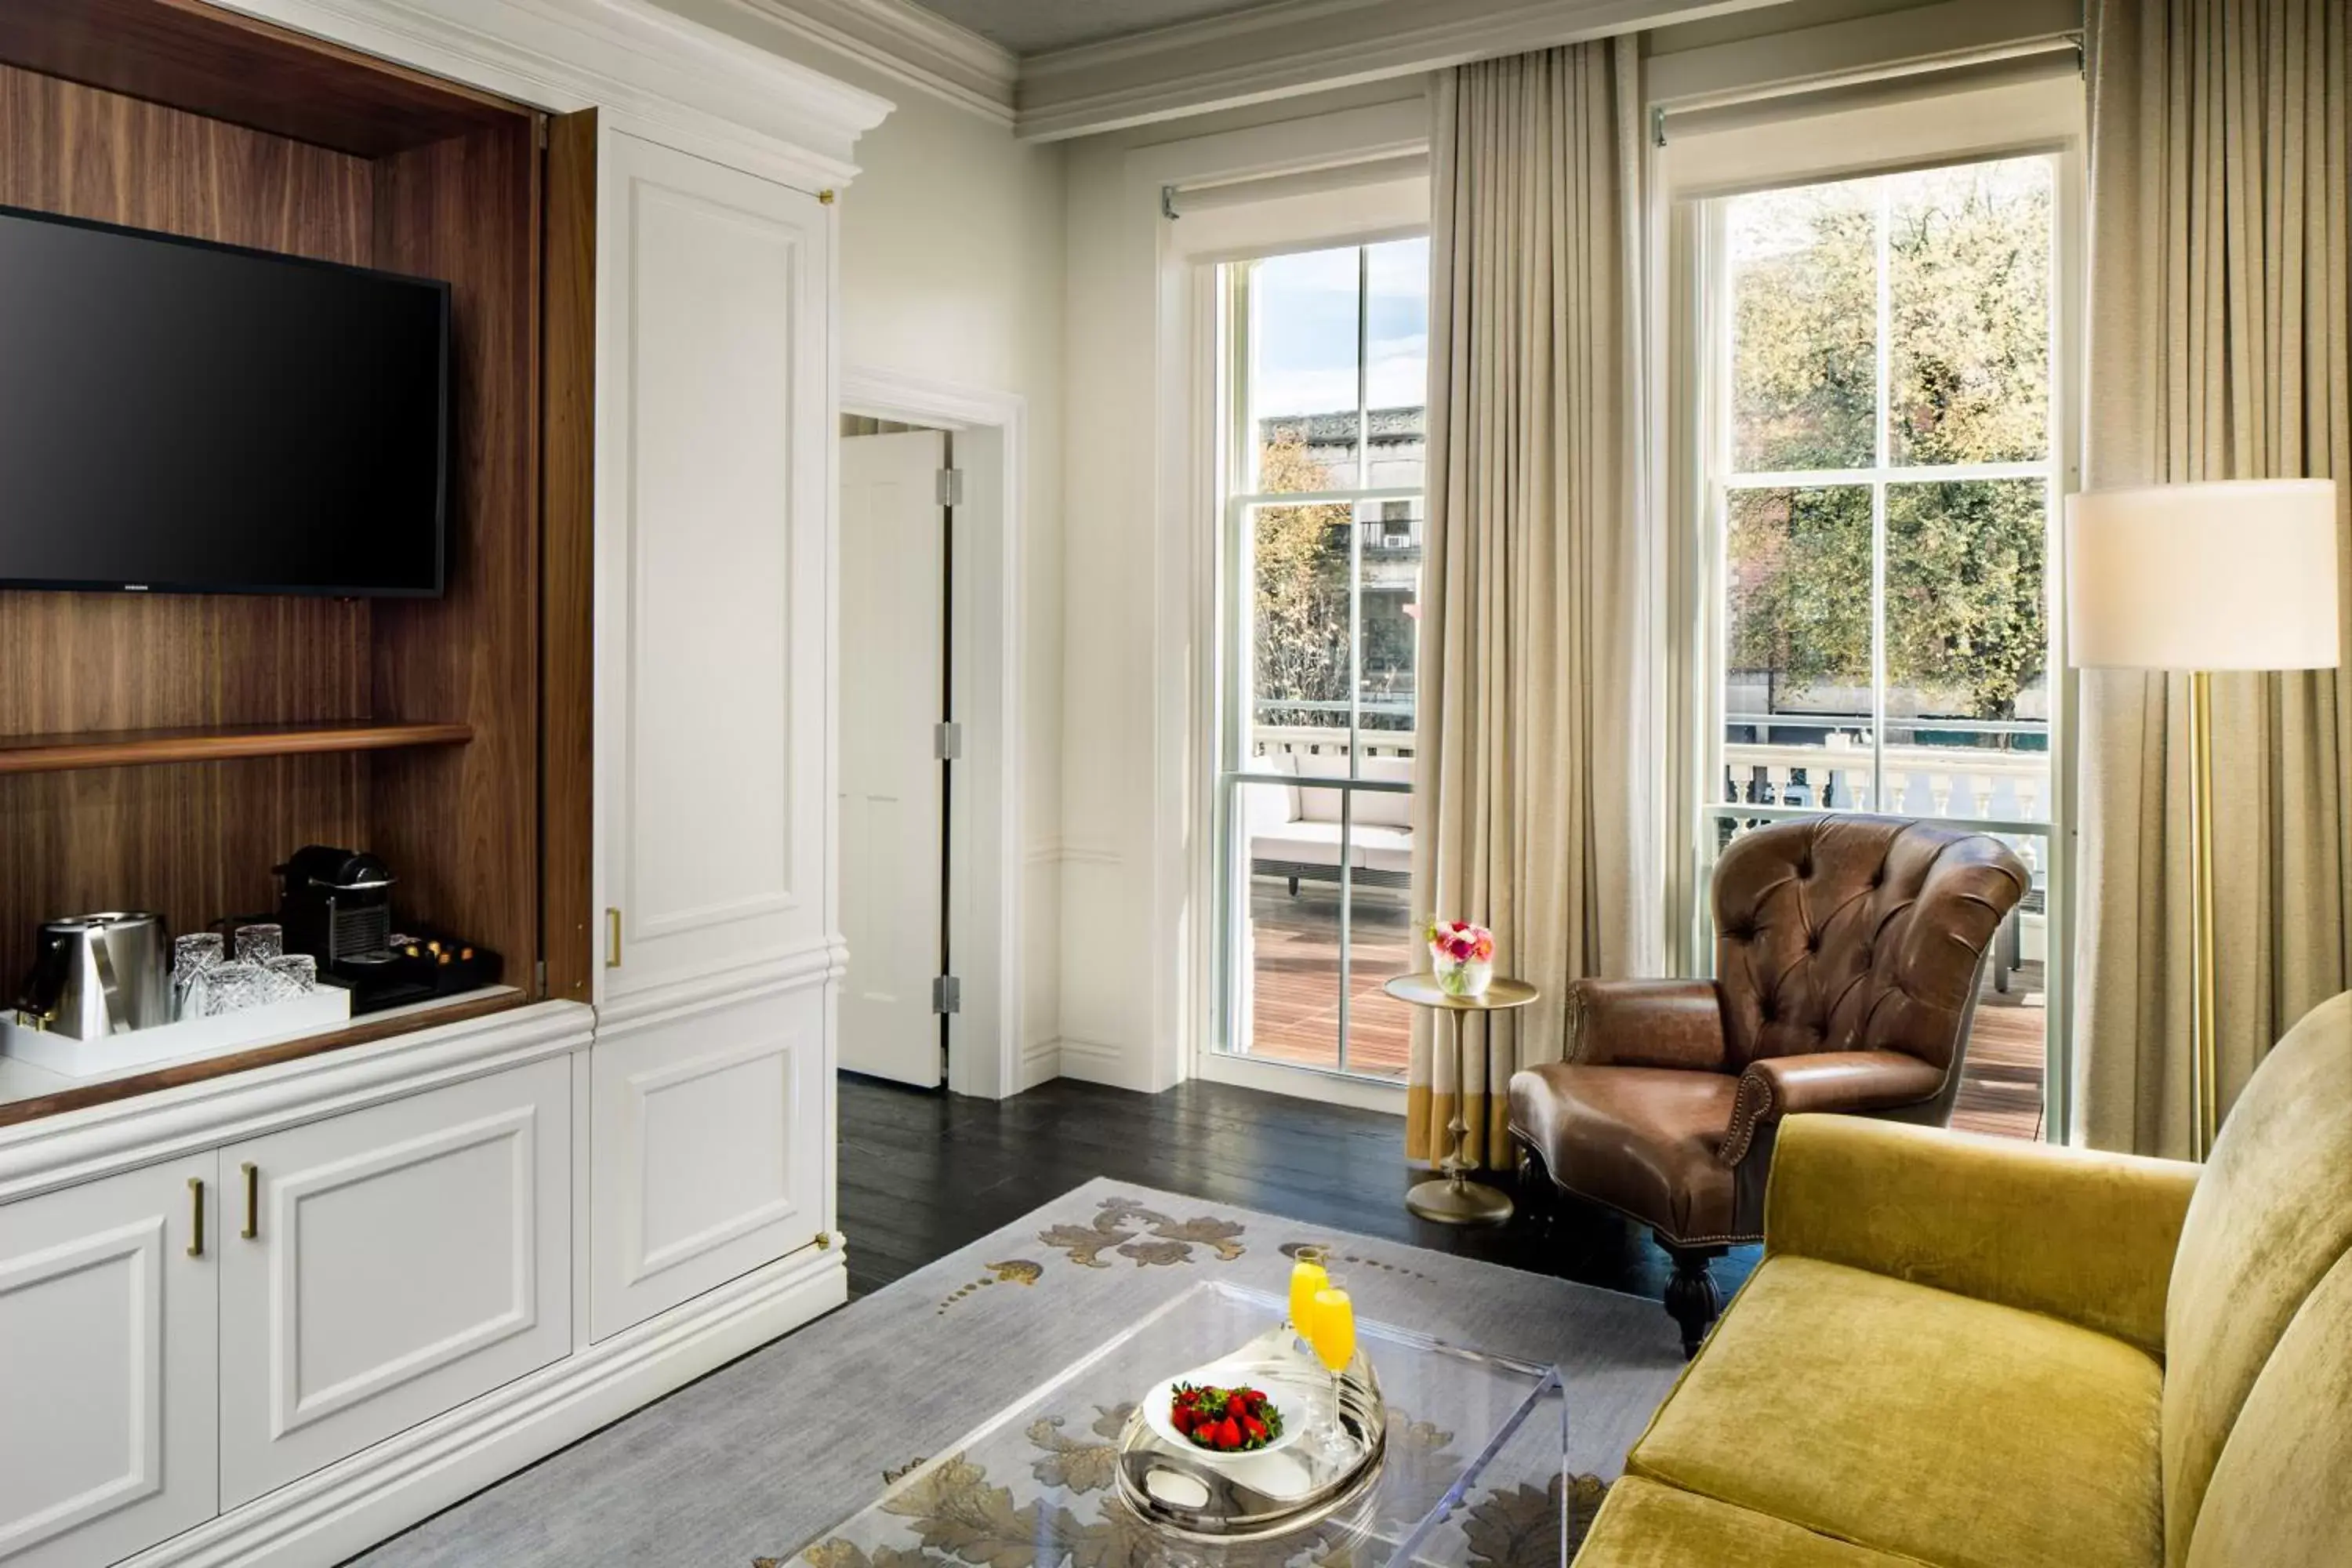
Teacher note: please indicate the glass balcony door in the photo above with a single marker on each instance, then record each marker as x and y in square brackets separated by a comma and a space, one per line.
[1325, 370]
[1882, 470]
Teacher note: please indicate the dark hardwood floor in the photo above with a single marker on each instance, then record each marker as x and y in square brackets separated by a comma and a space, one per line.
[922, 1174]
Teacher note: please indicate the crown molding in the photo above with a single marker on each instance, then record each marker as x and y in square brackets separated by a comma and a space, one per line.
[905, 43]
[666, 77]
[1299, 45]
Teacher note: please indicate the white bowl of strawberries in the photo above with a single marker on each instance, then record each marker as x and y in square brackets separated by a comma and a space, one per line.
[1216, 1421]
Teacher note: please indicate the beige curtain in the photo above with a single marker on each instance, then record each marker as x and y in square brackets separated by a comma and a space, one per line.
[2219, 290]
[1529, 778]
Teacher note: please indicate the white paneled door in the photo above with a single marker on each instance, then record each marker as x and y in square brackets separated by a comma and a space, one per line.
[893, 792]
[710, 537]
[106, 1318]
[381, 1267]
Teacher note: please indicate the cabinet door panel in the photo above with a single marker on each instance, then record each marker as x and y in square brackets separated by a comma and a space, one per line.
[405, 1258]
[709, 1137]
[107, 1421]
[710, 539]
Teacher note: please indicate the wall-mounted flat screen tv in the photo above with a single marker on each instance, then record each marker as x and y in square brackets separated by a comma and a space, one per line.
[178, 416]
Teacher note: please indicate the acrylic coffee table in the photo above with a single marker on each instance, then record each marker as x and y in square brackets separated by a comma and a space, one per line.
[1475, 1454]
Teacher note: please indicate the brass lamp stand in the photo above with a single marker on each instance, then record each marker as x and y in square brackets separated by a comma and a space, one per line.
[1454, 1198]
[2205, 1066]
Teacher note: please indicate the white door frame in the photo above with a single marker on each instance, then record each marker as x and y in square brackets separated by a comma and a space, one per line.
[985, 924]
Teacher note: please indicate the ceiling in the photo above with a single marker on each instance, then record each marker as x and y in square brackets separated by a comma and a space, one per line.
[1033, 26]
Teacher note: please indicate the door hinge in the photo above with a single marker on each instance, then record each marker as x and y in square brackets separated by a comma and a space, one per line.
[538, 976]
[947, 741]
[951, 487]
[947, 993]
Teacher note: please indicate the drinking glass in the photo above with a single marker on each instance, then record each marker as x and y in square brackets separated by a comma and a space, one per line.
[1332, 1332]
[234, 986]
[299, 971]
[192, 954]
[261, 942]
[1306, 1277]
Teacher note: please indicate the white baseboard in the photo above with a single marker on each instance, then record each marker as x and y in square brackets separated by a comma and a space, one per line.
[376, 1493]
[1093, 1062]
[1041, 1062]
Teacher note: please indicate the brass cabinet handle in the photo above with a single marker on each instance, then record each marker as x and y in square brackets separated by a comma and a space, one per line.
[196, 1216]
[252, 1201]
[612, 939]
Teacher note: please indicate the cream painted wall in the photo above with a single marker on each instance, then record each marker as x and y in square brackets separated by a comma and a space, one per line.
[951, 268]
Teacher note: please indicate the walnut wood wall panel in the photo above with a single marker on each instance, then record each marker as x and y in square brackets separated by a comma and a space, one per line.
[568, 559]
[460, 824]
[213, 62]
[194, 842]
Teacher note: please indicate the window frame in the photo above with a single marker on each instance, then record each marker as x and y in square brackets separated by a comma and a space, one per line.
[1232, 320]
[1698, 324]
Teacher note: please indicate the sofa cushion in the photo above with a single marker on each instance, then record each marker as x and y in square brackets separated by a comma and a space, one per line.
[1916, 1422]
[2273, 1212]
[1380, 808]
[2281, 1493]
[1645, 1525]
[1640, 1139]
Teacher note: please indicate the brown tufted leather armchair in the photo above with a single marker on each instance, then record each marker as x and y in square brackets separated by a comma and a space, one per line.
[1848, 951]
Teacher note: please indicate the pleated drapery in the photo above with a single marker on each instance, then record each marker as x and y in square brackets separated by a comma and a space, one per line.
[1533, 774]
[2220, 291]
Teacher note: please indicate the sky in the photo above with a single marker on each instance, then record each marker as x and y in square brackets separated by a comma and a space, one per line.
[1307, 329]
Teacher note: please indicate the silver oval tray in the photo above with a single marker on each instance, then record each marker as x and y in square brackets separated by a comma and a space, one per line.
[1315, 1478]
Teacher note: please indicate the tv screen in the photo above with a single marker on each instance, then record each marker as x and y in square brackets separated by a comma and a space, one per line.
[178, 416]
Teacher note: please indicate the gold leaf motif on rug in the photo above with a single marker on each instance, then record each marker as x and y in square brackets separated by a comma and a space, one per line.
[1077, 1464]
[1519, 1526]
[1167, 1241]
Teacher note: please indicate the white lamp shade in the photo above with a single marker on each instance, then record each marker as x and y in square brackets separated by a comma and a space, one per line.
[2229, 575]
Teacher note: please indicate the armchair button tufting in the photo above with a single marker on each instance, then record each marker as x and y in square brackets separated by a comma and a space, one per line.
[1812, 941]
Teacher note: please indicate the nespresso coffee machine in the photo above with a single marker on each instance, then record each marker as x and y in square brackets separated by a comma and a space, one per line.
[336, 905]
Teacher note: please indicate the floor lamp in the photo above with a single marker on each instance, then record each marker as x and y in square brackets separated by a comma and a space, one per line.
[2200, 577]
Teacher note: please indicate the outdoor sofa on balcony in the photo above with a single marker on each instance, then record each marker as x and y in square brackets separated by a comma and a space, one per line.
[1295, 829]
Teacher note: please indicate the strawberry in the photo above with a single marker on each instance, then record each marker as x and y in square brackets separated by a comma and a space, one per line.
[1229, 1434]
[1254, 1427]
[1181, 1420]
[1235, 1404]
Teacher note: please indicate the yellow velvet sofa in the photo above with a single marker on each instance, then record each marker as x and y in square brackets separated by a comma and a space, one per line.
[1970, 1353]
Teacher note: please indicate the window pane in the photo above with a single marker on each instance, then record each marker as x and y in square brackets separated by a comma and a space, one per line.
[1804, 326]
[1383, 938]
[1968, 291]
[1298, 622]
[1389, 547]
[1303, 384]
[1396, 355]
[1796, 689]
[1289, 1006]
[1968, 644]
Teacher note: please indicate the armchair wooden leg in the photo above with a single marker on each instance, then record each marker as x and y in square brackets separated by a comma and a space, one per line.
[1692, 1299]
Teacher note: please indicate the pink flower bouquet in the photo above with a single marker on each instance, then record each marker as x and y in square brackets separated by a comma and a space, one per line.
[1463, 955]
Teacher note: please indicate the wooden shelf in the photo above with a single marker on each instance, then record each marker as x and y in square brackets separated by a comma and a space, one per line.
[136, 748]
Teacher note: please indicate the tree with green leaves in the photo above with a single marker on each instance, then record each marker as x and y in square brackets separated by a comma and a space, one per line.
[1968, 351]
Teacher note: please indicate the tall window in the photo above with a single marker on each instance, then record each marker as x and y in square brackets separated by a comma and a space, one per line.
[1325, 358]
[1882, 466]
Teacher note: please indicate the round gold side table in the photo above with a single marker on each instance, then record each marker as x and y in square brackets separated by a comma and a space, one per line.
[1453, 1198]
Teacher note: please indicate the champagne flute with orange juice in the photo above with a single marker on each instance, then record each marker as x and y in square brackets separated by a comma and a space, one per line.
[1306, 1277]
[1332, 1332]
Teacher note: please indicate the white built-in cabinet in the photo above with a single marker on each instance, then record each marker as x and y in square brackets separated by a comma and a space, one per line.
[384, 1267]
[109, 1299]
[275, 1317]
[184, 1338]
[711, 1116]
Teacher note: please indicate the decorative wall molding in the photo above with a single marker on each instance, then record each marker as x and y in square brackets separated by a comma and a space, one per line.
[350, 1506]
[1079, 852]
[665, 78]
[1091, 1061]
[791, 970]
[1298, 45]
[77, 1146]
[908, 43]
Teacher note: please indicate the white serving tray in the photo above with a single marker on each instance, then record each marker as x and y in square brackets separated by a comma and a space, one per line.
[308, 1014]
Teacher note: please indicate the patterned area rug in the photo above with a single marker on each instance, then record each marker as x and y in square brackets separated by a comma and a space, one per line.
[761, 1459]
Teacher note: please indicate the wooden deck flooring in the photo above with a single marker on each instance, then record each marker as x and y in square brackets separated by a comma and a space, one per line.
[1294, 959]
